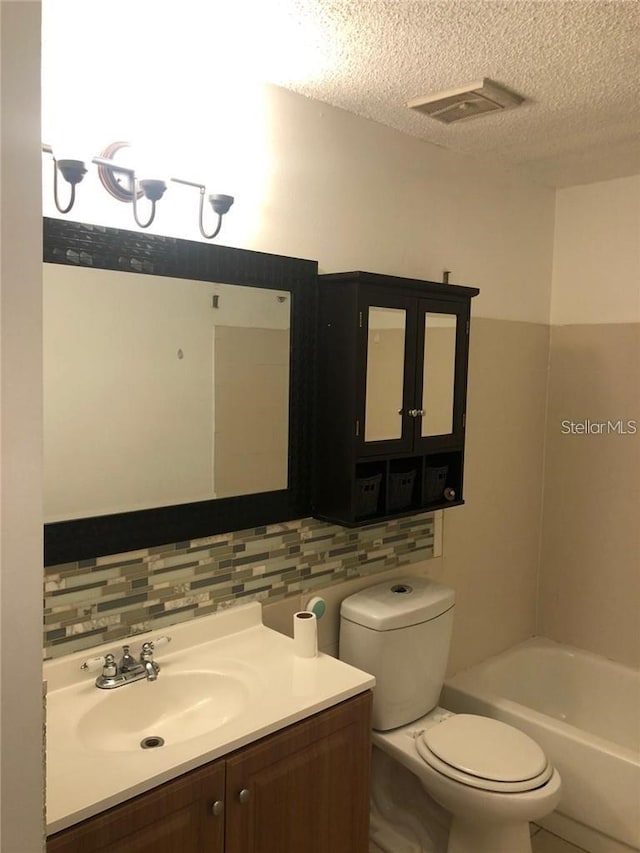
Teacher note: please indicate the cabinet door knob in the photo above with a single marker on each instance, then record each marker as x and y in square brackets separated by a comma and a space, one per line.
[413, 413]
[217, 808]
[244, 796]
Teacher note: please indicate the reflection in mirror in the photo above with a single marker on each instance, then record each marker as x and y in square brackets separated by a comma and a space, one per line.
[385, 373]
[161, 391]
[439, 373]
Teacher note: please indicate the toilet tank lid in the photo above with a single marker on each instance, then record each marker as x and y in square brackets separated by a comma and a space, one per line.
[397, 604]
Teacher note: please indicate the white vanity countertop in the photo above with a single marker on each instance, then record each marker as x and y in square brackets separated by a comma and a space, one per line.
[93, 760]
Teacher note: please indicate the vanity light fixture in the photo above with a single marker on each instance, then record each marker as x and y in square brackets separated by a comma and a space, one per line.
[149, 188]
[73, 171]
[219, 203]
[135, 188]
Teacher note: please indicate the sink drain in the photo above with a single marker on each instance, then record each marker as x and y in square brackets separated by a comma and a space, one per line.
[151, 742]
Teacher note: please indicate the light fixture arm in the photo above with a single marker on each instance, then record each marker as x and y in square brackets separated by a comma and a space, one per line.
[135, 212]
[73, 171]
[219, 203]
[201, 219]
[151, 189]
[72, 196]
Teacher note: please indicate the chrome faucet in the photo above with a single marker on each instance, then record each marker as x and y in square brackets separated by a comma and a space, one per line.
[127, 661]
[128, 669]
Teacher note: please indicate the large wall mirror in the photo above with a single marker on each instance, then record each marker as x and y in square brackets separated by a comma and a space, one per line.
[176, 403]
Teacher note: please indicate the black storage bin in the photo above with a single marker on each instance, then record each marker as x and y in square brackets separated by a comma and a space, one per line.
[435, 481]
[401, 489]
[367, 495]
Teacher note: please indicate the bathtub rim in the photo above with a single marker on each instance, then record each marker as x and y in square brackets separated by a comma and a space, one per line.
[463, 680]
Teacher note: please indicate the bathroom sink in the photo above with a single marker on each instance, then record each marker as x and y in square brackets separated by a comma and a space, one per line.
[175, 708]
[226, 682]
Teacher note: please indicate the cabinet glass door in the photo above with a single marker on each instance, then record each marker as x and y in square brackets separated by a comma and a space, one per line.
[438, 379]
[386, 341]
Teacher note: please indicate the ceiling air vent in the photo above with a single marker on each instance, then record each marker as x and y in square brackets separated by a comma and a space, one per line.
[471, 101]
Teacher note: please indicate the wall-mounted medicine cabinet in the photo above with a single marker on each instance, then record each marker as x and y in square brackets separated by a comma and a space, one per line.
[390, 396]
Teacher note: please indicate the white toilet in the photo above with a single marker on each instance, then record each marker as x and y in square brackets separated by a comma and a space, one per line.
[492, 778]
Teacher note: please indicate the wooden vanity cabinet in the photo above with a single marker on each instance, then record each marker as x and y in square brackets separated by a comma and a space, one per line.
[390, 407]
[176, 816]
[305, 788]
[308, 786]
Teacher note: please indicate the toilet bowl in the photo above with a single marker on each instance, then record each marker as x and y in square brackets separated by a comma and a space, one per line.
[488, 815]
[491, 778]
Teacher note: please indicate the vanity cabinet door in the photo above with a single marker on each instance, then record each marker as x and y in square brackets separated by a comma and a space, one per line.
[304, 789]
[177, 817]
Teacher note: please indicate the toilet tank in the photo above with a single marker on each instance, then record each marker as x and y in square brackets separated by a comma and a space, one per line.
[399, 632]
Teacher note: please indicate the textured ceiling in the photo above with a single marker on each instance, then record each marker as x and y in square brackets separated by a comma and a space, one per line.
[577, 63]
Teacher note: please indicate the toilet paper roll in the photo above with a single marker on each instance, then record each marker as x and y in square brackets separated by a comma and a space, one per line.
[305, 634]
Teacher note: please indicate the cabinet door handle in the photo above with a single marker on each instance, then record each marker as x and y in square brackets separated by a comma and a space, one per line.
[244, 796]
[217, 808]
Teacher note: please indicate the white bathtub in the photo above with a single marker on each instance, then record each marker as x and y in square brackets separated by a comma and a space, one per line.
[584, 711]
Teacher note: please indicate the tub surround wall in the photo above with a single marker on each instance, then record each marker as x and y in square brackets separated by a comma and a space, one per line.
[589, 578]
[97, 601]
[490, 545]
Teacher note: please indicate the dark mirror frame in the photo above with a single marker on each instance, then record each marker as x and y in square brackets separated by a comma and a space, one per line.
[79, 244]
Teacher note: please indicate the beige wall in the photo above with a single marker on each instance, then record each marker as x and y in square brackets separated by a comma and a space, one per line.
[590, 561]
[596, 253]
[21, 777]
[491, 544]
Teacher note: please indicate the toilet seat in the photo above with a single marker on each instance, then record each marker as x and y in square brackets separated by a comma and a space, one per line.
[484, 753]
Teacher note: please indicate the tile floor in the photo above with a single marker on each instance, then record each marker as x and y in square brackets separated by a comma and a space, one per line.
[541, 842]
[544, 842]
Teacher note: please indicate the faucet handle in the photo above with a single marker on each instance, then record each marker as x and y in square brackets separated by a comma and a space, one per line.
[92, 664]
[107, 663]
[149, 647]
[146, 651]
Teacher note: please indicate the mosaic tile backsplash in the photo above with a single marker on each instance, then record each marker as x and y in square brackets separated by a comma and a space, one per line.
[106, 599]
